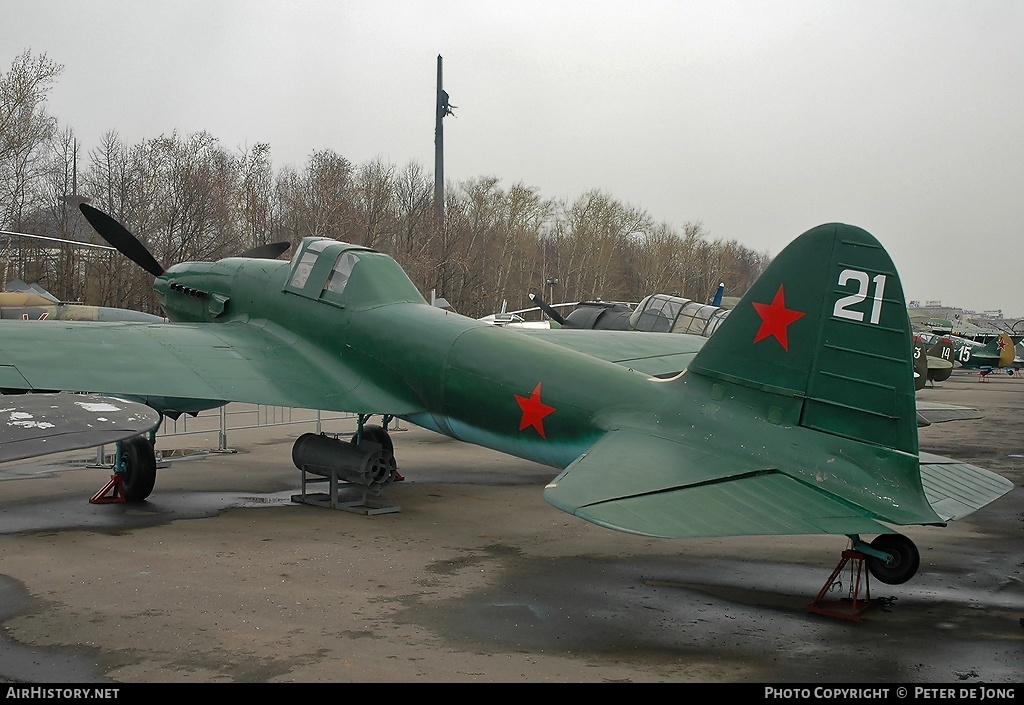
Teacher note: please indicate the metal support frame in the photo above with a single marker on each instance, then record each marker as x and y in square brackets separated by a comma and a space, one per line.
[850, 607]
[113, 491]
[362, 504]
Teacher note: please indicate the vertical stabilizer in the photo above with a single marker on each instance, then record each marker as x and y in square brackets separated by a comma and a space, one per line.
[827, 323]
[717, 300]
[1007, 351]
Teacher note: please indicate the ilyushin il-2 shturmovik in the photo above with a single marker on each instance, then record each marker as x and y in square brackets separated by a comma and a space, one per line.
[796, 417]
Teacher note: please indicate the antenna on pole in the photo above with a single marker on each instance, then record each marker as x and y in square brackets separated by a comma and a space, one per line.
[443, 108]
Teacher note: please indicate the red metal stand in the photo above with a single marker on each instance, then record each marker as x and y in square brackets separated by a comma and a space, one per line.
[849, 607]
[112, 492]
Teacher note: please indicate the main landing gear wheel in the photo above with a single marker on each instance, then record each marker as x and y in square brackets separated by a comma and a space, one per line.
[904, 559]
[387, 469]
[139, 468]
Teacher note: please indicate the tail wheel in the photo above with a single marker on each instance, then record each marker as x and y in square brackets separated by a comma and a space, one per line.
[139, 468]
[387, 469]
[904, 559]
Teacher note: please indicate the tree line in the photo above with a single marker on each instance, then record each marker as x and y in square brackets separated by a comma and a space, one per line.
[188, 198]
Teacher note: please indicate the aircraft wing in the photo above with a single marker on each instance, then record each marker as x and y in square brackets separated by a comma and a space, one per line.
[655, 354]
[680, 490]
[247, 362]
[39, 424]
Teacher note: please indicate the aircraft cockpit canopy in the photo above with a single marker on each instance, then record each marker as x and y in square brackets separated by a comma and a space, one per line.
[303, 260]
[674, 314]
[348, 275]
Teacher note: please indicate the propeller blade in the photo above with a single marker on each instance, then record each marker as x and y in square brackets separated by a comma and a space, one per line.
[126, 243]
[271, 251]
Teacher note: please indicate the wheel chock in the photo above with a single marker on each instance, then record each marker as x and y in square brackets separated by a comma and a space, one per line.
[112, 492]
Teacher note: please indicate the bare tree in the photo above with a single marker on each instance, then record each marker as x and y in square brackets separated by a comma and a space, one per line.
[317, 202]
[593, 238]
[254, 195]
[414, 224]
[26, 130]
[374, 204]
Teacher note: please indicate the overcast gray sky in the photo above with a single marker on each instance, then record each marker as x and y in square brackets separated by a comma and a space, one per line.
[758, 119]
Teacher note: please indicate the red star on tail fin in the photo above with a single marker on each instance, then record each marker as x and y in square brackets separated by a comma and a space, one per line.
[775, 319]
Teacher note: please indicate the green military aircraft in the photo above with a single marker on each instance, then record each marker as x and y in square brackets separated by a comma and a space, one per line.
[796, 417]
[1000, 353]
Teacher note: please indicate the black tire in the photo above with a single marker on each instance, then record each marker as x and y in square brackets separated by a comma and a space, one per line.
[139, 468]
[905, 559]
[387, 470]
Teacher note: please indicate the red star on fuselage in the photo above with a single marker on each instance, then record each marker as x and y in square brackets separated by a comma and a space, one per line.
[775, 319]
[534, 411]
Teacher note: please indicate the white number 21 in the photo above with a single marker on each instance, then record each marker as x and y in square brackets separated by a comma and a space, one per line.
[843, 306]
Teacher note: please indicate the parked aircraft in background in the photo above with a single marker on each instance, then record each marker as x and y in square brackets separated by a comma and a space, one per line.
[999, 354]
[796, 417]
[517, 318]
[926, 325]
[928, 366]
[656, 313]
[936, 360]
[30, 302]
[662, 313]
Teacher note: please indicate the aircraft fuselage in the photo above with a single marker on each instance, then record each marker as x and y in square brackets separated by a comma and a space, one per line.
[465, 375]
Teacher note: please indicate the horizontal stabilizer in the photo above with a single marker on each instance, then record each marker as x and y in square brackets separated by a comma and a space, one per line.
[935, 412]
[956, 489]
[644, 484]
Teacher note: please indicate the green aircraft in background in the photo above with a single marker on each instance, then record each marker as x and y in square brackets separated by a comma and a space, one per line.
[998, 354]
[796, 417]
